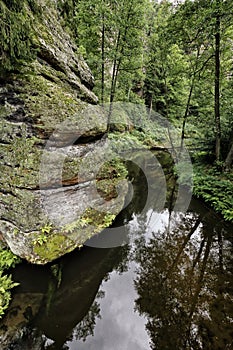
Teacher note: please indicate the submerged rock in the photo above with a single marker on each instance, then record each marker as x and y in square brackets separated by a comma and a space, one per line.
[44, 216]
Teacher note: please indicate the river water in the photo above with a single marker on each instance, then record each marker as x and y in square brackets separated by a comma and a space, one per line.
[169, 287]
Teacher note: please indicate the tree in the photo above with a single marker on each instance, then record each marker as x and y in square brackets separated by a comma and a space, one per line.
[128, 34]
[199, 28]
[163, 65]
[217, 36]
[110, 35]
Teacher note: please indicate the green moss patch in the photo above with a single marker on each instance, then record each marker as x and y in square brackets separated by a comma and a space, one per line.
[92, 221]
[49, 101]
[54, 246]
[109, 176]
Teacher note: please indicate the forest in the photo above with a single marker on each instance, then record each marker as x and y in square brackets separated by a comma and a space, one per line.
[174, 57]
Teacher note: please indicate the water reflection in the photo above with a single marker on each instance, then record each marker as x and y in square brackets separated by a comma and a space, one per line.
[120, 327]
[184, 284]
[63, 296]
[169, 288]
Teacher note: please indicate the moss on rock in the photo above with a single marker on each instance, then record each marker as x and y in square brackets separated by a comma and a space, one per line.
[52, 247]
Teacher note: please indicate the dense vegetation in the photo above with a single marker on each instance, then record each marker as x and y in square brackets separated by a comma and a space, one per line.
[175, 57]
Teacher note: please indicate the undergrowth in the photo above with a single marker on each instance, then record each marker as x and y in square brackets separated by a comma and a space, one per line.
[7, 260]
[215, 188]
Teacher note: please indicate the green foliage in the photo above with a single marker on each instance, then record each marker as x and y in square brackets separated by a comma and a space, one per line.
[110, 36]
[46, 229]
[7, 260]
[184, 172]
[41, 239]
[166, 78]
[50, 247]
[6, 284]
[114, 168]
[215, 189]
[43, 236]
[92, 221]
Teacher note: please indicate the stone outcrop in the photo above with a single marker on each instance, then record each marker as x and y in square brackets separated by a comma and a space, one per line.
[33, 102]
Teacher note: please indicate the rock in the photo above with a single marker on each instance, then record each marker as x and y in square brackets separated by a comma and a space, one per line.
[56, 87]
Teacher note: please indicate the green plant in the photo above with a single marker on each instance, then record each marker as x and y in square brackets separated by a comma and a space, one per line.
[215, 189]
[41, 239]
[43, 236]
[46, 229]
[7, 260]
[5, 296]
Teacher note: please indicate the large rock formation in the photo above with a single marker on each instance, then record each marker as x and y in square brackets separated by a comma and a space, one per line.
[33, 103]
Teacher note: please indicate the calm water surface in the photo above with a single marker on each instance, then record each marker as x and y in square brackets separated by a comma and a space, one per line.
[170, 287]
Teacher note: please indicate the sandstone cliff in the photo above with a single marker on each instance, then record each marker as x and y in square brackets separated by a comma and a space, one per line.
[33, 103]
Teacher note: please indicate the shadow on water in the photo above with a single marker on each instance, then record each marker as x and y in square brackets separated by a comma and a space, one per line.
[179, 267]
[51, 301]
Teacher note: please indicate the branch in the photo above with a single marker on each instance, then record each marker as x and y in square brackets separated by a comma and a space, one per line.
[204, 64]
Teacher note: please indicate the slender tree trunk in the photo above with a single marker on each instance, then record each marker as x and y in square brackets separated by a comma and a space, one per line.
[229, 158]
[113, 84]
[174, 153]
[189, 101]
[217, 84]
[186, 240]
[113, 81]
[220, 253]
[103, 58]
[151, 105]
[198, 287]
[119, 53]
[186, 114]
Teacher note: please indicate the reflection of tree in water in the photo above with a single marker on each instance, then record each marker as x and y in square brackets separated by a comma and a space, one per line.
[86, 327]
[184, 284]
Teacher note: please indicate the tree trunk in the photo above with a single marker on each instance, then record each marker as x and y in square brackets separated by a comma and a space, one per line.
[186, 114]
[217, 85]
[119, 53]
[103, 58]
[113, 79]
[229, 158]
[189, 100]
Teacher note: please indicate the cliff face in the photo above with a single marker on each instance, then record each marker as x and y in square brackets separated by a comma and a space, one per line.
[33, 103]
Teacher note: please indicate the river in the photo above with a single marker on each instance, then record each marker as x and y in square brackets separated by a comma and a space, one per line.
[168, 287]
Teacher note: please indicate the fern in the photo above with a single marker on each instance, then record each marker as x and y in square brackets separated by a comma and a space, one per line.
[7, 260]
[216, 189]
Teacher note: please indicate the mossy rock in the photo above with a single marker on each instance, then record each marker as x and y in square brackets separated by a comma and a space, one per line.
[52, 247]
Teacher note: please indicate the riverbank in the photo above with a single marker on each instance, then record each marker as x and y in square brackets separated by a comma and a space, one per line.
[215, 188]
